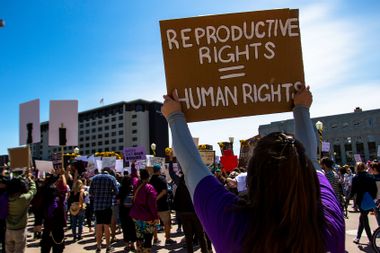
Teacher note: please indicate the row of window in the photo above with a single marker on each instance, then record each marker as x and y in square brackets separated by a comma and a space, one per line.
[355, 123]
[95, 116]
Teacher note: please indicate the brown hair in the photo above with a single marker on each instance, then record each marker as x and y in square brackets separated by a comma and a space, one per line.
[283, 199]
[360, 167]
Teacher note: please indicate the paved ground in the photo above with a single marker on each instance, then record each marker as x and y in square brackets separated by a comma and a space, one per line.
[87, 244]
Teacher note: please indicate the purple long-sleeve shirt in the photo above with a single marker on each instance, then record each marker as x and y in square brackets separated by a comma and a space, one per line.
[214, 204]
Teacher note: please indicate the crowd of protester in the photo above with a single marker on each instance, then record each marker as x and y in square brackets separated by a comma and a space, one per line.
[285, 201]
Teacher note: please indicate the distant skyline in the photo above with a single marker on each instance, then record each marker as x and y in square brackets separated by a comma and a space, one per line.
[91, 50]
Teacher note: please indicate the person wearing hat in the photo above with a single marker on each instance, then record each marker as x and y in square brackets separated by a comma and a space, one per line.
[160, 185]
[77, 208]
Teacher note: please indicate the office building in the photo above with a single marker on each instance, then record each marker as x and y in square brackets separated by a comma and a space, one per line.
[348, 134]
[113, 127]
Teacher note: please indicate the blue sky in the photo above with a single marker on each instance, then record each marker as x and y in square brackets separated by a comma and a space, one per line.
[88, 50]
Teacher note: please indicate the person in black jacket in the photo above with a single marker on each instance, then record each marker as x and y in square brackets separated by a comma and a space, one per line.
[362, 183]
[185, 209]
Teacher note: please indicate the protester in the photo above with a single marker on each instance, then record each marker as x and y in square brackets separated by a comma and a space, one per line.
[333, 177]
[103, 188]
[3, 209]
[89, 206]
[160, 185]
[37, 209]
[77, 209]
[21, 192]
[375, 166]
[144, 212]
[54, 197]
[290, 208]
[126, 201]
[362, 184]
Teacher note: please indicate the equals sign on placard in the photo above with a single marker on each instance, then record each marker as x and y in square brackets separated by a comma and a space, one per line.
[226, 75]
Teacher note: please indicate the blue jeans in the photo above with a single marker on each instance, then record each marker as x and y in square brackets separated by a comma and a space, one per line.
[77, 222]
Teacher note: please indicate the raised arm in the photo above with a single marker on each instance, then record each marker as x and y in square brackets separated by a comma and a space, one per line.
[304, 130]
[187, 154]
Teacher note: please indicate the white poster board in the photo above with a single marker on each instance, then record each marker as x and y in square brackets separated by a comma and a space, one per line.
[99, 164]
[109, 162]
[63, 112]
[30, 114]
[119, 165]
[378, 151]
[325, 146]
[44, 166]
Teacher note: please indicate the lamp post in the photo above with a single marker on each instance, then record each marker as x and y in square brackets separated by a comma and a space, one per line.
[319, 127]
[76, 151]
[153, 147]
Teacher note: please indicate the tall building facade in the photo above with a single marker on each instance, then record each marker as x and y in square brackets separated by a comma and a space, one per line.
[113, 127]
[348, 134]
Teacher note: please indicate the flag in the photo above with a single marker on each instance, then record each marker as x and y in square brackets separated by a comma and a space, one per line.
[101, 101]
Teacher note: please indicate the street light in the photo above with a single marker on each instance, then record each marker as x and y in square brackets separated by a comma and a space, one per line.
[319, 127]
[153, 147]
[231, 139]
[76, 151]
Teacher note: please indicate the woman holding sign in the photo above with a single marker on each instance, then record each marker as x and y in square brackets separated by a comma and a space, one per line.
[290, 206]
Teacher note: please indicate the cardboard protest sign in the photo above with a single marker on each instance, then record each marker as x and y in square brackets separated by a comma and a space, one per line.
[208, 157]
[64, 115]
[44, 166]
[30, 131]
[325, 146]
[20, 158]
[246, 150]
[141, 164]
[233, 65]
[134, 153]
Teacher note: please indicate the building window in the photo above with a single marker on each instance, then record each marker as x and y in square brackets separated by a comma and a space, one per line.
[93, 123]
[81, 126]
[120, 117]
[106, 128]
[81, 145]
[372, 150]
[121, 139]
[87, 138]
[106, 149]
[134, 116]
[134, 139]
[87, 152]
[113, 119]
[100, 136]
[100, 129]
[87, 131]
[107, 142]
[87, 145]
[106, 120]
[134, 123]
[81, 132]
[87, 124]
[113, 148]
[134, 131]
[81, 139]
[94, 137]
[139, 108]
[93, 130]
[100, 143]
[100, 150]
[121, 147]
[94, 144]
[113, 141]
[113, 126]
[106, 135]
[113, 134]
[121, 132]
[100, 122]
[121, 124]
[348, 151]
[93, 151]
